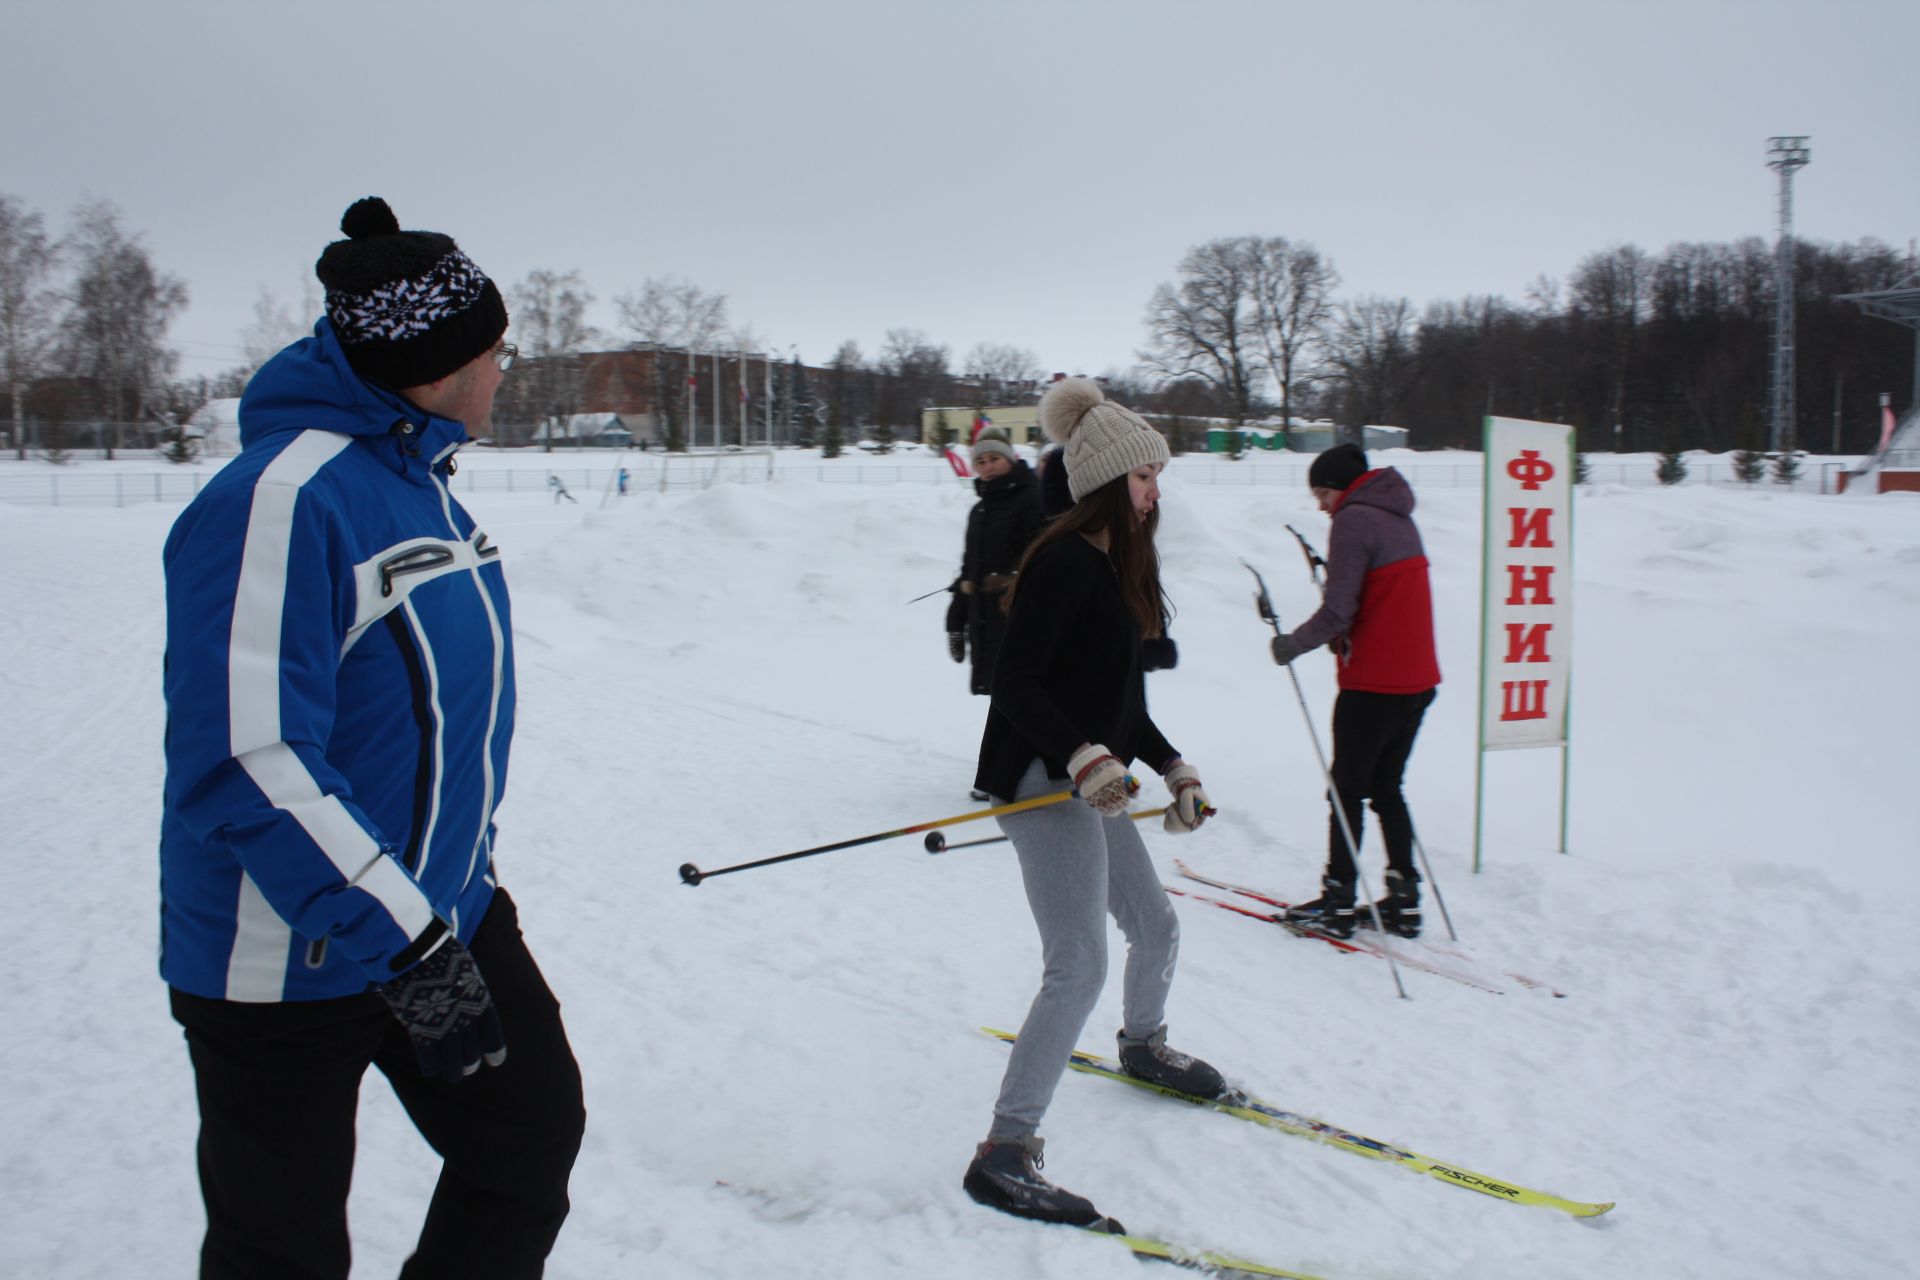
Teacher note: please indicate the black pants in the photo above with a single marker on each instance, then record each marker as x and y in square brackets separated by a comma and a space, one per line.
[1373, 735]
[279, 1085]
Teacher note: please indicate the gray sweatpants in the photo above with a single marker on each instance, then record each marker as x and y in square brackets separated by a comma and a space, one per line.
[1077, 867]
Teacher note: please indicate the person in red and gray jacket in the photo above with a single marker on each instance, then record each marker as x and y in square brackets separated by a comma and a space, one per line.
[1377, 613]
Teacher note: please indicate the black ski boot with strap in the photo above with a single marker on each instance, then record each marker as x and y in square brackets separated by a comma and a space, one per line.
[1331, 913]
[1151, 1060]
[1400, 909]
[1005, 1175]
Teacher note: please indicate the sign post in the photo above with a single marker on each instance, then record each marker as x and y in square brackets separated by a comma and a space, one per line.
[1526, 600]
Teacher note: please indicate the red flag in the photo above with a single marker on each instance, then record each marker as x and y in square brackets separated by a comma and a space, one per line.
[980, 423]
[954, 460]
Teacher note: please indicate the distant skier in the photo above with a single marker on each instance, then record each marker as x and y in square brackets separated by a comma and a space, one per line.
[999, 528]
[1378, 611]
[1069, 710]
[623, 482]
[559, 489]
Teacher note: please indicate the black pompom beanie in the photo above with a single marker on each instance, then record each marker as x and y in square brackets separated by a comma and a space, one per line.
[1337, 468]
[408, 307]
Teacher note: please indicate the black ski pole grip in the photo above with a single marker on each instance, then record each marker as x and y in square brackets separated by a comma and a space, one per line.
[691, 874]
[935, 842]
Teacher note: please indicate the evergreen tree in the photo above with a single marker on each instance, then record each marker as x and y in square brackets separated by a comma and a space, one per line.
[883, 437]
[1786, 467]
[1672, 468]
[1582, 470]
[1749, 465]
[805, 414]
[834, 440]
[942, 432]
[180, 448]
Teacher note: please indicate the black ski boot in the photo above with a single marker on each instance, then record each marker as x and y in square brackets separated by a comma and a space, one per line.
[1331, 913]
[1151, 1060]
[1005, 1175]
[1400, 909]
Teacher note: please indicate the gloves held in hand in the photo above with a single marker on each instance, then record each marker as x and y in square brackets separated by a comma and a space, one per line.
[1285, 650]
[1189, 807]
[444, 1004]
[1101, 779]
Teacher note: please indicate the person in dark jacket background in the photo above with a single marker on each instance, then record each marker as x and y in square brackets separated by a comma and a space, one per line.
[1378, 609]
[339, 684]
[999, 528]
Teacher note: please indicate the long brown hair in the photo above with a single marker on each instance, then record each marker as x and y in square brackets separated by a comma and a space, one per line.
[1130, 547]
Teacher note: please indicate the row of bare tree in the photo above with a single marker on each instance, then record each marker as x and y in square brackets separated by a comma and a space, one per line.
[1639, 352]
[88, 307]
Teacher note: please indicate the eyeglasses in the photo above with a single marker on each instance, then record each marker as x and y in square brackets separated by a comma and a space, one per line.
[504, 355]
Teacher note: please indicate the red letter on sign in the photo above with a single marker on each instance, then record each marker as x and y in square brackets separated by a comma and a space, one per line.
[1527, 643]
[1525, 699]
[1530, 524]
[1538, 580]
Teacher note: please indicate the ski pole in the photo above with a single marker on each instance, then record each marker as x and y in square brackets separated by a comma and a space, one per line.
[937, 843]
[936, 591]
[694, 875]
[1264, 603]
[1314, 565]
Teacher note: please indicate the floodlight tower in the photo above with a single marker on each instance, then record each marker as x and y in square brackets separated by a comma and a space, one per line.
[1786, 157]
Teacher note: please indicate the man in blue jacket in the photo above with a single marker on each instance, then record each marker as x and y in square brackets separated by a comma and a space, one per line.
[340, 697]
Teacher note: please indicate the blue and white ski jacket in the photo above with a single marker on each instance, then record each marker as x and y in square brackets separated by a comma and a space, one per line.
[339, 685]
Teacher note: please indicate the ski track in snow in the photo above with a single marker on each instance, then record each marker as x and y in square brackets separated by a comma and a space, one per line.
[720, 676]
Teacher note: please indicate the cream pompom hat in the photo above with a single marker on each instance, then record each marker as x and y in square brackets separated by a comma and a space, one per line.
[1102, 440]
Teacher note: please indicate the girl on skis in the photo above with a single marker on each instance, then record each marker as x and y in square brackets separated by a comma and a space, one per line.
[1069, 710]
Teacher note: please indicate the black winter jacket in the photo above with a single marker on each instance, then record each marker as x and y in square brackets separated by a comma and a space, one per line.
[1071, 673]
[999, 528]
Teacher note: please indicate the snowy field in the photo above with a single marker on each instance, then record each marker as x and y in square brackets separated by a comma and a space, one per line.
[722, 675]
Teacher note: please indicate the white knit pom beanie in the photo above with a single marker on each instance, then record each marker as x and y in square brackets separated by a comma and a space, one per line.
[1101, 439]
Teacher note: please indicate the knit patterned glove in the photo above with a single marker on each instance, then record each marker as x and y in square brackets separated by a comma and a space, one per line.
[957, 645]
[1189, 808]
[1101, 779]
[444, 1004]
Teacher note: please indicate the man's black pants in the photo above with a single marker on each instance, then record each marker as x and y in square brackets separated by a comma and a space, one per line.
[1373, 735]
[279, 1085]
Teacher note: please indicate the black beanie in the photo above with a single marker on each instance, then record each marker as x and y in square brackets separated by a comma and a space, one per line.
[1337, 468]
[408, 307]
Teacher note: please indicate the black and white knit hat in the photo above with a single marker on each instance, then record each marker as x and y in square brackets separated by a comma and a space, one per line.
[408, 307]
[1101, 439]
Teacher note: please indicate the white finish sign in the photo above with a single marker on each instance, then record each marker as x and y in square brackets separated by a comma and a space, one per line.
[1526, 636]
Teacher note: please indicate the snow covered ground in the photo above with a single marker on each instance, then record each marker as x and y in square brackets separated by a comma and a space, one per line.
[723, 675]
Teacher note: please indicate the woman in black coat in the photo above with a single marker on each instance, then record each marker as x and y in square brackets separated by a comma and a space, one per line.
[999, 528]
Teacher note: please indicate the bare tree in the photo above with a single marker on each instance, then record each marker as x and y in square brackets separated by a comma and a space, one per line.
[1207, 325]
[667, 311]
[116, 322]
[913, 372]
[273, 328]
[1372, 353]
[1002, 370]
[29, 309]
[1609, 296]
[549, 311]
[672, 315]
[1293, 302]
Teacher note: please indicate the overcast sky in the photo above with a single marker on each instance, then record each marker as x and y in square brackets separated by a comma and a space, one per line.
[1021, 173]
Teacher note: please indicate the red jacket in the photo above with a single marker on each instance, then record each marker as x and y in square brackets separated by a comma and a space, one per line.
[1377, 595]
